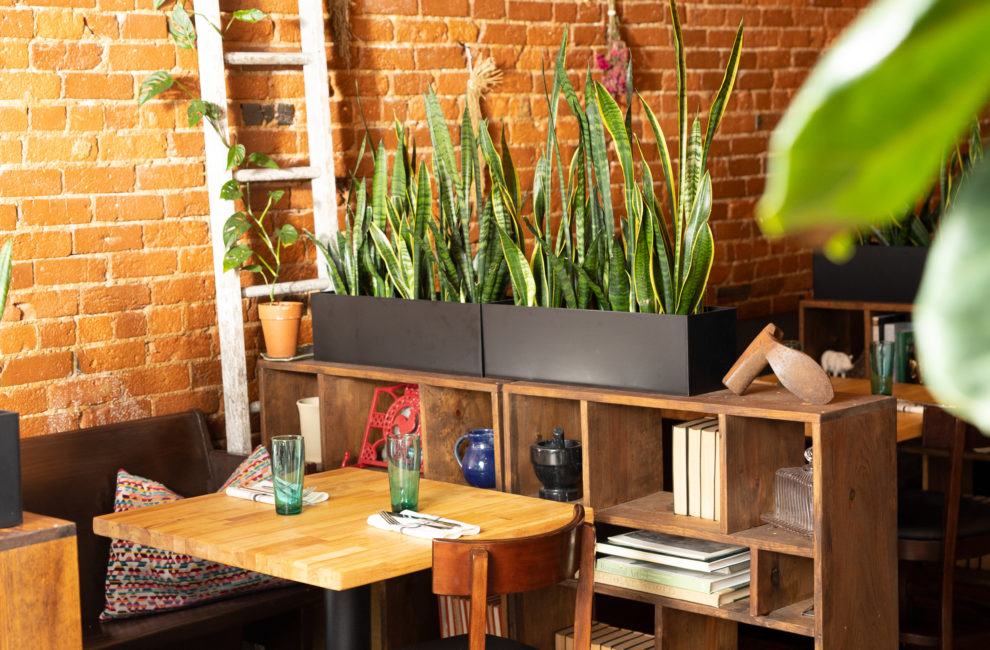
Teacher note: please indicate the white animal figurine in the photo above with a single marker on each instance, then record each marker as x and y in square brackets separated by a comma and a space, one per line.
[836, 363]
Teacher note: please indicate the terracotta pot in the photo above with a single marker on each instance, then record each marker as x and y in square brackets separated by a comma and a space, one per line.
[280, 326]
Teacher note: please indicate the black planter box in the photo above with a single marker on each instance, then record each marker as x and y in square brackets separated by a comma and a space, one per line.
[874, 274]
[678, 355]
[10, 471]
[398, 333]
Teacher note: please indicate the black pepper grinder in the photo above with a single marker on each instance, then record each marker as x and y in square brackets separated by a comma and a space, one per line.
[557, 463]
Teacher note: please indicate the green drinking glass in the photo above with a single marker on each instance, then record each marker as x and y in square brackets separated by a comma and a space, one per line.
[287, 473]
[404, 454]
[881, 367]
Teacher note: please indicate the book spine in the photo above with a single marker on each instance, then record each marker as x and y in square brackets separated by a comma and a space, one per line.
[679, 469]
[708, 471]
[694, 472]
[656, 558]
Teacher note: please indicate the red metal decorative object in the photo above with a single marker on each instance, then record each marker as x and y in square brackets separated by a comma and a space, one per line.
[402, 416]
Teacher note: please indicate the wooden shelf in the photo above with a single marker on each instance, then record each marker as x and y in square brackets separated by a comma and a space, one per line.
[623, 435]
[656, 511]
[785, 619]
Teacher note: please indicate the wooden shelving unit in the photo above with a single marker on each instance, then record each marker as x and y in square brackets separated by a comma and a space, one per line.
[840, 325]
[847, 571]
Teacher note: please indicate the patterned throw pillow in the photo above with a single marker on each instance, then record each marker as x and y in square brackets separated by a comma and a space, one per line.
[142, 579]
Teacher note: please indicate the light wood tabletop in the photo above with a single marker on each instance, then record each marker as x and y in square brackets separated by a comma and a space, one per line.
[329, 545]
[908, 424]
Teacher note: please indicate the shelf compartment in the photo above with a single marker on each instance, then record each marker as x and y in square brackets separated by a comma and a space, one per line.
[281, 385]
[623, 453]
[779, 580]
[526, 419]
[786, 619]
[656, 512]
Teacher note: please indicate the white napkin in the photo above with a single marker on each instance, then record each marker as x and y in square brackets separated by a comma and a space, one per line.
[427, 531]
[262, 494]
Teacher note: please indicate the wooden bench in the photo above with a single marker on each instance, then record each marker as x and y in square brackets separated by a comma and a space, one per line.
[72, 476]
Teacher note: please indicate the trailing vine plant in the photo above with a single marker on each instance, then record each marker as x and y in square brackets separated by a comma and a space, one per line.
[183, 33]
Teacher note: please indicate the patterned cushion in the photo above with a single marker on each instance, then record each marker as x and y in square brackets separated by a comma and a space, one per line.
[142, 579]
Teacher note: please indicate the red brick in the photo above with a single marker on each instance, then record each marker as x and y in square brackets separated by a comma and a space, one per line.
[116, 147]
[165, 320]
[158, 379]
[162, 176]
[28, 369]
[488, 9]
[85, 118]
[207, 401]
[143, 26]
[50, 303]
[166, 292]
[27, 400]
[34, 245]
[70, 270]
[201, 316]
[30, 182]
[111, 356]
[65, 56]
[13, 119]
[18, 338]
[123, 410]
[98, 179]
[94, 85]
[444, 8]
[206, 373]
[130, 56]
[191, 203]
[16, 23]
[102, 239]
[95, 328]
[60, 148]
[174, 234]
[142, 264]
[181, 348]
[128, 207]
[529, 11]
[107, 299]
[83, 391]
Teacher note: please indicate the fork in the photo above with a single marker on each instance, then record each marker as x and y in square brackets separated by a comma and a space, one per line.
[392, 520]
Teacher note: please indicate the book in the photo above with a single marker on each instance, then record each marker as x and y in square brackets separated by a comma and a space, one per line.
[892, 332]
[728, 564]
[906, 370]
[718, 476]
[709, 471]
[605, 637]
[880, 321]
[678, 464]
[694, 466]
[684, 547]
[673, 576]
[717, 599]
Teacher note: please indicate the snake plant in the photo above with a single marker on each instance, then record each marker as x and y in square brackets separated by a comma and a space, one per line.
[6, 259]
[668, 270]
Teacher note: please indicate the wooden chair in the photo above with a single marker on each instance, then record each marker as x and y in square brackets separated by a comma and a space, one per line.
[940, 528]
[507, 566]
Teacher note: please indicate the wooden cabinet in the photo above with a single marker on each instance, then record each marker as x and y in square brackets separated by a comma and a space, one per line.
[840, 325]
[847, 570]
[39, 585]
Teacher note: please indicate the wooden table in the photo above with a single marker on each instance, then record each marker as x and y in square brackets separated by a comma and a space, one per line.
[908, 424]
[329, 545]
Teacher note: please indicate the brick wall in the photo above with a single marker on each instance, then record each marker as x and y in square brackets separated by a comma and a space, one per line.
[111, 314]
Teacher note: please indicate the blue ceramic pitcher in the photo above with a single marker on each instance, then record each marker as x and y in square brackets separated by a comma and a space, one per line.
[478, 462]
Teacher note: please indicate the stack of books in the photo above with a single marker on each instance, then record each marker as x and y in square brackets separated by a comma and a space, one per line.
[695, 450]
[606, 637]
[696, 570]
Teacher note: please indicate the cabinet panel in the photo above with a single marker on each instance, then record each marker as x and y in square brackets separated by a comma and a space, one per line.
[445, 416]
[681, 630]
[284, 388]
[778, 580]
[527, 419]
[623, 453]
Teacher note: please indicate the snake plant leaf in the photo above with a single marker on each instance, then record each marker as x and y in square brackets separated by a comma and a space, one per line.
[399, 169]
[379, 188]
[332, 261]
[877, 111]
[523, 282]
[698, 251]
[642, 268]
[612, 118]
[6, 262]
[443, 146]
[599, 157]
[692, 170]
[509, 173]
[680, 69]
[664, 155]
[952, 311]
[181, 28]
[618, 279]
[560, 271]
[391, 259]
[445, 264]
[155, 84]
[722, 97]
[467, 174]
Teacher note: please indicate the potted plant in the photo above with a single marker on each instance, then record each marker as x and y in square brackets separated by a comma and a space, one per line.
[649, 329]
[406, 284]
[888, 258]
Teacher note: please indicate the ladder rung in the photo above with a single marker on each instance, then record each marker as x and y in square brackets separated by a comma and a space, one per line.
[284, 174]
[267, 58]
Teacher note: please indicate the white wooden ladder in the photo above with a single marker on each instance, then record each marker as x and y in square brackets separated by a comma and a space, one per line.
[212, 75]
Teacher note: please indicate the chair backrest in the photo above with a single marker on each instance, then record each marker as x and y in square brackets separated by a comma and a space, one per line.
[480, 568]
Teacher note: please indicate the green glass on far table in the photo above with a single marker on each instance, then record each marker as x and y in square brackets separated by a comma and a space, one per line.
[881, 367]
[287, 473]
[404, 453]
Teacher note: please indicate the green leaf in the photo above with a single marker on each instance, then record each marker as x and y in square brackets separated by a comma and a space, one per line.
[646, 297]
[6, 262]
[261, 160]
[198, 109]
[379, 188]
[392, 263]
[249, 15]
[181, 28]
[236, 256]
[952, 311]
[275, 196]
[724, 91]
[864, 136]
[287, 235]
[698, 251]
[231, 191]
[235, 226]
[618, 279]
[523, 282]
[158, 3]
[153, 85]
[235, 156]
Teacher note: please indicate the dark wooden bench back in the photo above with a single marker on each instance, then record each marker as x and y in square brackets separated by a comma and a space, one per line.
[72, 475]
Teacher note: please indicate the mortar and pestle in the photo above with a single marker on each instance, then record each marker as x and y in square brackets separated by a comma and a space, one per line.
[557, 463]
